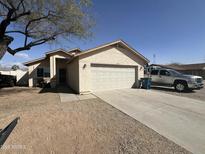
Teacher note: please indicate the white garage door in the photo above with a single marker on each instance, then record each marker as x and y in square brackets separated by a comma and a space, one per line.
[108, 78]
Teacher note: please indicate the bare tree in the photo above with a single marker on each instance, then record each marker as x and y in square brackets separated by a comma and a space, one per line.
[41, 21]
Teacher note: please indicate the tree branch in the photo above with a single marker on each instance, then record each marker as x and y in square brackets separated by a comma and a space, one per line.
[29, 23]
[4, 24]
[41, 41]
[20, 15]
[6, 6]
[31, 44]
[15, 31]
[11, 11]
[11, 4]
[21, 3]
[37, 19]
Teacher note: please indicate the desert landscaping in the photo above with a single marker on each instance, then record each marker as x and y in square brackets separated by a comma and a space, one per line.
[90, 126]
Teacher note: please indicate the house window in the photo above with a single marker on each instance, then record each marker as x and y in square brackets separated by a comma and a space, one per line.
[46, 72]
[39, 72]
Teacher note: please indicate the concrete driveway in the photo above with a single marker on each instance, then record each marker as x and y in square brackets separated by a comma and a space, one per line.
[180, 119]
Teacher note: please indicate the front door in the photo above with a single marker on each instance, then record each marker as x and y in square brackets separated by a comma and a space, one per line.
[62, 75]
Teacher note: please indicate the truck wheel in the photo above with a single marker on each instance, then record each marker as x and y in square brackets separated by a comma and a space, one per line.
[180, 86]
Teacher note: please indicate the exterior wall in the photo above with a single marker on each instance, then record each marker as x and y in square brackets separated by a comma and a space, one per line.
[73, 75]
[108, 55]
[21, 76]
[32, 71]
[49, 61]
[53, 64]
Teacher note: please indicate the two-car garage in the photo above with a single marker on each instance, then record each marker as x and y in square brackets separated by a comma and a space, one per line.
[108, 77]
[110, 66]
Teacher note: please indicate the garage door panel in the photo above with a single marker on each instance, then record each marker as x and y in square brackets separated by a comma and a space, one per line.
[108, 78]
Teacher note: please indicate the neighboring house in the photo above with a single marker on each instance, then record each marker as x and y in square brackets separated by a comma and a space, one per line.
[21, 76]
[192, 69]
[110, 66]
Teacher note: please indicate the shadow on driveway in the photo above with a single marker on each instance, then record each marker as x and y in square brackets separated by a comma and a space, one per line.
[169, 89]
[194, 94]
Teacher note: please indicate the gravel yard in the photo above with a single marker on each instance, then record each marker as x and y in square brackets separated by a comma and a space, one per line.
[88, 126]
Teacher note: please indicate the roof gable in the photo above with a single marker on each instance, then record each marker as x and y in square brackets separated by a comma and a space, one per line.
[56, 51]
[116, 43]
[46, 55]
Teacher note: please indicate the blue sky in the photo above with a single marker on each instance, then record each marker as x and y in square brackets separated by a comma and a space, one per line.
[173, 30]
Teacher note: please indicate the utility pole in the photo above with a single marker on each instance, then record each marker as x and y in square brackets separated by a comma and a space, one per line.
[154, 58]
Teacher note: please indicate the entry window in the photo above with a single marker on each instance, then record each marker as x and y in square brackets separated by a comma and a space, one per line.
[39, 72]
[164, 73]
[154, 72]
[46, 72]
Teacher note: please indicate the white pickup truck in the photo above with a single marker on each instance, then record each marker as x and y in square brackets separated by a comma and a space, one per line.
[172, 78]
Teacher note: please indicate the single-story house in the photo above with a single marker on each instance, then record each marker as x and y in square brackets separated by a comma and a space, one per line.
[114, 65]
[192, 69]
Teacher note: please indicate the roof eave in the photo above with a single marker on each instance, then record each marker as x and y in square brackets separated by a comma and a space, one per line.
[33, 61]
[57, 50]
[135, 51]
[46, 54]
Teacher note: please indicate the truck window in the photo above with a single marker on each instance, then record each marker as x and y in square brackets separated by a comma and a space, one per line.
[164, 72]
[154, 72]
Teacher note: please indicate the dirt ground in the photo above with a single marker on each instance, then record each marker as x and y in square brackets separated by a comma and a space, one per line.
[195, 94]
[88, 127]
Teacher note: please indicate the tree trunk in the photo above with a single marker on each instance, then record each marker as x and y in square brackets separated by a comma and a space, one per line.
[3, 49]
[4, 45]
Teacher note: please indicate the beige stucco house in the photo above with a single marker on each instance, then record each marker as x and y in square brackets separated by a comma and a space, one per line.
[115, 65]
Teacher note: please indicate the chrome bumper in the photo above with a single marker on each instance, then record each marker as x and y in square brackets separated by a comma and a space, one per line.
[195, 85]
